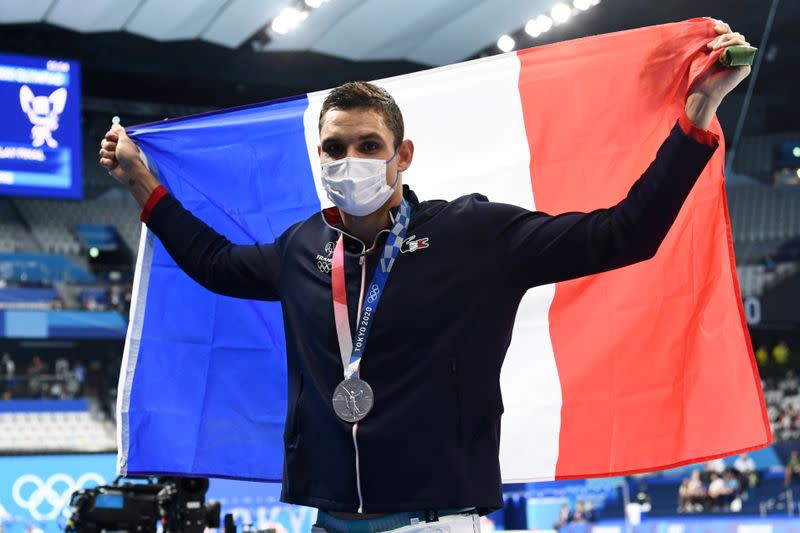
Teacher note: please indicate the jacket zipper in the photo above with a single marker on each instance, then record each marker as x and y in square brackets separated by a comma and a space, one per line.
[362, 260]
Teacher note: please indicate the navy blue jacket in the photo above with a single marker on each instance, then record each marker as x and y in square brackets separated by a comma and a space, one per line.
[440, 335]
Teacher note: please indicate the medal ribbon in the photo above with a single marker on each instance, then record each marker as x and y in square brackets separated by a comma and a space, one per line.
[354, 345]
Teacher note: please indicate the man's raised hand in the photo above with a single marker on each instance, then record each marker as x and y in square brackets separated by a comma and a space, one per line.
[707, 93]
[120, 156]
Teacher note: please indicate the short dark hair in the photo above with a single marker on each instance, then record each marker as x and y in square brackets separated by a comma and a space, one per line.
[362, 94]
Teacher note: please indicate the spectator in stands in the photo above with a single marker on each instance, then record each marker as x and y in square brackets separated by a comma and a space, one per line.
[684, 498]
[34, 372]
[693, 493]
[716, 466]
[36, 367]
[563, 517]
[734, 487]
[61, 367]
[578, 517]
[745, 466]
[792, 468]
[7, 366]
[588, 511]
[718, 493]
[7, 371]
[76, 379]
[79, 371]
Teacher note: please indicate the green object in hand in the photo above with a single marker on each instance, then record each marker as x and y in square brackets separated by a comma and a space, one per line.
[738, 56]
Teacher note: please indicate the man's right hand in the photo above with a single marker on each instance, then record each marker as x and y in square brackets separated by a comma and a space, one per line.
[120, 156]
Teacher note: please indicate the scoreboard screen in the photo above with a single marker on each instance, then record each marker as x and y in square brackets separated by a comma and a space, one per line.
[40, 130]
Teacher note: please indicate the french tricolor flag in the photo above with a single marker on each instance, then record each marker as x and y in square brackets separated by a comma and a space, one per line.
[641, 368]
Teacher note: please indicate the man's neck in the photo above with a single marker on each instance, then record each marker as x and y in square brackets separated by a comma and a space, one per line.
[366, 228]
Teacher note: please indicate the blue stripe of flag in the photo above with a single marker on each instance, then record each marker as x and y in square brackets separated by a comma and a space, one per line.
[209, 390]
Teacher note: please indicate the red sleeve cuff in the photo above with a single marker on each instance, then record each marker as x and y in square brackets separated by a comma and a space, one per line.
[709, 138]
[151, 202]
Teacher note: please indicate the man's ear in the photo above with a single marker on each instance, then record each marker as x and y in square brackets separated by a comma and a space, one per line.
[405, 153]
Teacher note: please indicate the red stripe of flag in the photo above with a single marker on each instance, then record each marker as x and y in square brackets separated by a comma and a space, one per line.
[655, 362]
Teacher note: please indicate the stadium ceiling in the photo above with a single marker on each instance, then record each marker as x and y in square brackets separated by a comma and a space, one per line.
[219, 53]
[430, 32]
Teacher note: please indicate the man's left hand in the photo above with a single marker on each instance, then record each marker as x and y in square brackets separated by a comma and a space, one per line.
[721, 80]
[707, 93]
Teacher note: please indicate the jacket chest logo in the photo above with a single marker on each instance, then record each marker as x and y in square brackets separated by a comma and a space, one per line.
[325, 262]
[412, 244]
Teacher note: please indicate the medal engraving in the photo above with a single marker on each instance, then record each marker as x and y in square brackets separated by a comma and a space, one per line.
[352, 399]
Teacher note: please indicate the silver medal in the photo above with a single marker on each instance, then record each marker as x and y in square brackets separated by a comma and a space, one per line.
[352, 399]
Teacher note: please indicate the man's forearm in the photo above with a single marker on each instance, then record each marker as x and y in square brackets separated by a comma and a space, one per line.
[701, 109]
[141, 185]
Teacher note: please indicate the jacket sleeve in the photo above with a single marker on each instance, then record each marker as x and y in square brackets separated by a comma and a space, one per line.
[242, 271]
[541, 248]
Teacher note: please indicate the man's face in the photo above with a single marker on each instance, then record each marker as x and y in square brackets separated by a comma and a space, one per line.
[362, 132]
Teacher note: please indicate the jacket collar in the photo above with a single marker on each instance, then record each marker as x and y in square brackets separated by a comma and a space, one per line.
[333, 219]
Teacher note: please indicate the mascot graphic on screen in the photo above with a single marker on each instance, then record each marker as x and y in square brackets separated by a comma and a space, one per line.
[43, 112]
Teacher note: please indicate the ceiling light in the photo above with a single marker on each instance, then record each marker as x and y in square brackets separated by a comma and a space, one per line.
[561, 13]
[313, 4]
[544, 23]
[582, 5]
[279, 26]
[594, 2]
[288, 19]
[532, 28]
[505, 43]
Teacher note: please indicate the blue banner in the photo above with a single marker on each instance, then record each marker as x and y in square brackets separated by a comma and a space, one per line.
[35, 492]
[62, 325]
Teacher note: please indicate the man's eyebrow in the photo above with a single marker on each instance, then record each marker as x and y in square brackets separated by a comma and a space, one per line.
[366, 136]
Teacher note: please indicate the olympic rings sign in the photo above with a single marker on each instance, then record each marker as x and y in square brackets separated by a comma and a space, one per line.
[55, 493]
[373, 293]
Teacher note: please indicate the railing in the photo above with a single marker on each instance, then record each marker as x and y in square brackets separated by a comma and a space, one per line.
[783, 501]
[65, 385]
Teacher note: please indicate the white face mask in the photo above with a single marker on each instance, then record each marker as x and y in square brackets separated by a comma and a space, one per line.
[356, 185]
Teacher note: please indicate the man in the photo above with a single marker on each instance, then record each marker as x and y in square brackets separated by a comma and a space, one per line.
[695, 492]
[744, 464]
[410, 432]
[716, 466]
[792, 468]
[746, 468]
[718, 491]
[36, 369]
[7, 371]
